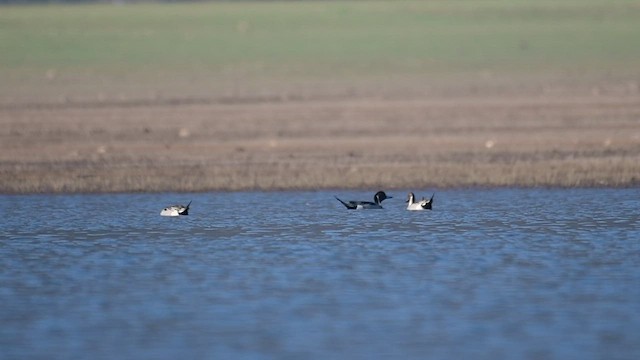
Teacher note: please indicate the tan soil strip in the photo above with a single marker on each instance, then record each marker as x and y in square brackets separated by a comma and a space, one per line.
[202, 145]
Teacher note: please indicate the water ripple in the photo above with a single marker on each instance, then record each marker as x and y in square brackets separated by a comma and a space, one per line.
[516, 273]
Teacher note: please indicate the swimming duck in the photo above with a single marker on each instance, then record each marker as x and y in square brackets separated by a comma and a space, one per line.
[358, 205]
[420, 205]
[175, 210]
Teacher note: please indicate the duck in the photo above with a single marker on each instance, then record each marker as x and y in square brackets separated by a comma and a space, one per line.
[420, 205]
[359, 205]
[175, 210]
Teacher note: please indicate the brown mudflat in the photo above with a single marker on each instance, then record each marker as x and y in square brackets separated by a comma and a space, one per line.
[351, 142]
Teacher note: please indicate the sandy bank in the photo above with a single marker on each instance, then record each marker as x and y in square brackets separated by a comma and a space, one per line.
[309, 144]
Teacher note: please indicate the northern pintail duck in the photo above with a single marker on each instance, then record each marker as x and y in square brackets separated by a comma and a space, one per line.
[419, 205]
[175, 210]
[358, 205]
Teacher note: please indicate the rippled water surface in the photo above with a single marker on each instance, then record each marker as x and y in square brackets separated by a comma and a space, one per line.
[488, 274]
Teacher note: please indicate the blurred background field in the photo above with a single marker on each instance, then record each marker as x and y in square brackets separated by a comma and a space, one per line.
[56, 53]
[317, 94]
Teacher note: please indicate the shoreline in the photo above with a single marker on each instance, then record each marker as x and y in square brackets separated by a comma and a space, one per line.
[371, 189]
[351, 143]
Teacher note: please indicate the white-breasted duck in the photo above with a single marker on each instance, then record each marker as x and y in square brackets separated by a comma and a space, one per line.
[423, 204]
[175, 210]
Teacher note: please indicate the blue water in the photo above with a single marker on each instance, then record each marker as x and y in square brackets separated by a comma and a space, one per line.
[488, 274]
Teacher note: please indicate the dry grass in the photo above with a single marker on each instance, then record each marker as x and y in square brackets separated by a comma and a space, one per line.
[347, 143]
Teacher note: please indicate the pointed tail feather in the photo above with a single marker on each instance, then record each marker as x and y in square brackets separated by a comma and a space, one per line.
[186, 209]
[427, 204]
[348, 206]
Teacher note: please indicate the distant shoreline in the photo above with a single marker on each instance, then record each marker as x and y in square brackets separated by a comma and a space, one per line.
[371, 189]
[357, 143]
[282, 95]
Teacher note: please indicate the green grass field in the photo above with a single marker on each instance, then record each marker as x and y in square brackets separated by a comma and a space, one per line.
[61, 49]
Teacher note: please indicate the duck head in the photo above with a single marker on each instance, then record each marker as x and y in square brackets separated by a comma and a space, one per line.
[380, 196]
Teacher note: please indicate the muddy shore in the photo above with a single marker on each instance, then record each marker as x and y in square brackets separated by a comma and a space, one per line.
[266, 144]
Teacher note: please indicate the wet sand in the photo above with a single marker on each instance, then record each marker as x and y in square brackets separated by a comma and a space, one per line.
[350, 142]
